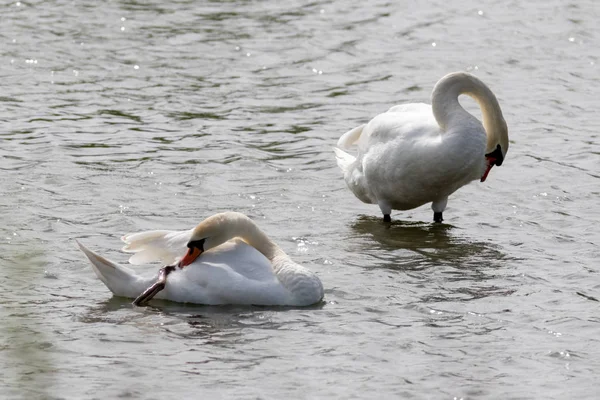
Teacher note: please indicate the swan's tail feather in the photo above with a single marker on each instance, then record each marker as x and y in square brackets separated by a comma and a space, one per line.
[151, 246]
[122, 281]
[349, 138]
[344, 143]
[343, 159]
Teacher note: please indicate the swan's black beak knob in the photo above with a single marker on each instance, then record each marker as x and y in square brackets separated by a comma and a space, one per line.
[493, 158]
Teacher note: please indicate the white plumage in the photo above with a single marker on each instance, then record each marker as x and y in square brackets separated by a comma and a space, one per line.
[239, 265]
[415, 154]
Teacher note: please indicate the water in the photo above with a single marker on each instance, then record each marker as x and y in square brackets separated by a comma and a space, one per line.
[125, 116]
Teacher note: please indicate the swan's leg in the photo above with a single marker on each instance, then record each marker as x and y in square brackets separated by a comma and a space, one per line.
[438, 208]
[386, 210]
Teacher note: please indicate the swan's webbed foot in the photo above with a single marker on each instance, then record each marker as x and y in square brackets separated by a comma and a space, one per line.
[437, 217]
[156, 287]
[387, 218]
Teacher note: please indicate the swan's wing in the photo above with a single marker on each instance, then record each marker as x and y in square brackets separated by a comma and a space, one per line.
[408, 122]
[152, 246]
[401, 121]
[389, 144]
[232, 273]
[240, 259]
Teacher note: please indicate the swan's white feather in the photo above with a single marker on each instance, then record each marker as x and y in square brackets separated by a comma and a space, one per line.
[154, 246]
[349, 138]
[404, 159]
[232, 272]
[344, 160]
[122, 281]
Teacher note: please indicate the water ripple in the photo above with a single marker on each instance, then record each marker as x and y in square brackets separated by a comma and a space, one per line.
[132, 116]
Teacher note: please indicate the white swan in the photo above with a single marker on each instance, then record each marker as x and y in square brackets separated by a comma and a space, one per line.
[414, 154]
[226, 259]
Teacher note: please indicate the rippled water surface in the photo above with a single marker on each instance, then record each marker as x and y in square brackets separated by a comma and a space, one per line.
[123, 116]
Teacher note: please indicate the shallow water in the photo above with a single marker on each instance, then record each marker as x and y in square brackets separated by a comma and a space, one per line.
[125, 116]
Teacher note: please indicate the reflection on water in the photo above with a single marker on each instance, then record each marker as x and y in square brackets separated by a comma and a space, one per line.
[190, 320]
[427, 244]
[434, 256]
[404, 234]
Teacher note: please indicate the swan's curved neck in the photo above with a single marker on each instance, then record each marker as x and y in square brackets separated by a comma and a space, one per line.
[250, 233]
[447, 110]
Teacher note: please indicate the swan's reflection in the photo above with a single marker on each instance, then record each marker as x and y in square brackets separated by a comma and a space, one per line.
[439, 263]
[404, 234]
[418, 245]
[223, 323]
[226, 335]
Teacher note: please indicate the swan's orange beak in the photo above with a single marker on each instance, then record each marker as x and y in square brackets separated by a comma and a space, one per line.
[491, 161]
[190, 257]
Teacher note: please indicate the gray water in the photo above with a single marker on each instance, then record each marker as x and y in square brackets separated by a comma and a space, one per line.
[124, 116]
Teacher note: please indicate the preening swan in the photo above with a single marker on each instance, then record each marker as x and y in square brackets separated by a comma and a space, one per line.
[417, 153]
[226, 259]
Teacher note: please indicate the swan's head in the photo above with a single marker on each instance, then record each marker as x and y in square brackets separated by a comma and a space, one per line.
[212, 232]
[497, 147]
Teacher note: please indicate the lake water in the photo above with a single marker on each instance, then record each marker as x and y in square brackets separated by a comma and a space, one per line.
[124, 116]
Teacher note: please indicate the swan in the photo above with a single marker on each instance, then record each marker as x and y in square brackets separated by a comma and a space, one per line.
[418, 153]
[226, 259]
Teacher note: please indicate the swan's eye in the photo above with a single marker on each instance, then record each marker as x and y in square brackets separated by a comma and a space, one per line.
[496, 155]
[198, 244]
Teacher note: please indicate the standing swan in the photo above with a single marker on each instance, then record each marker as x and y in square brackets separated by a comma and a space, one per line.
[226, 259]
[415, 153]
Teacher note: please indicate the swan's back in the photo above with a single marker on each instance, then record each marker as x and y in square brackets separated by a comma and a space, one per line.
[405, 122]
